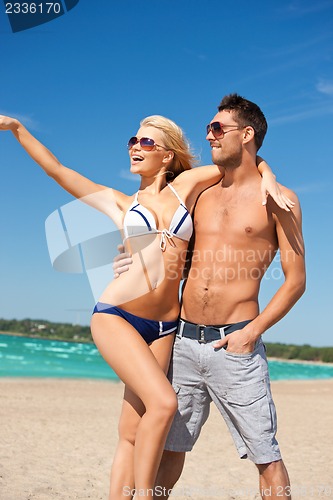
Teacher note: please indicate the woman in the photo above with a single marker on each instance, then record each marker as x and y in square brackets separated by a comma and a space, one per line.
[134, 322]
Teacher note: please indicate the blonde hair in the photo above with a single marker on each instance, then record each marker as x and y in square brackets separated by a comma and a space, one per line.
[174, 140]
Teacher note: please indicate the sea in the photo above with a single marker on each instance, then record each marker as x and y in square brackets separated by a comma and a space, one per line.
[30, 357]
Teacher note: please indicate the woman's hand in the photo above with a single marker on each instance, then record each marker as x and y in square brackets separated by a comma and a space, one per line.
[8, 123]
[269, 186]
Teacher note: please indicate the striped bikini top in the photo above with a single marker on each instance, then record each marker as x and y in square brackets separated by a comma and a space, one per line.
[139, 221]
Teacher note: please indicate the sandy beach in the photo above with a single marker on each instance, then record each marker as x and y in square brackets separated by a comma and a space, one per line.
[58, 438]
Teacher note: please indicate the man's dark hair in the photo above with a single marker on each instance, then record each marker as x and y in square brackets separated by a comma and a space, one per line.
[246, 113]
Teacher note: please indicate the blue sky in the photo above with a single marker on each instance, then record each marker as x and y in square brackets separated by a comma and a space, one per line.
[81, 84]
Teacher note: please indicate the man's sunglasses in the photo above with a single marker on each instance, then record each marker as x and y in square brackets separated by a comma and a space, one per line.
[146, 143]
[216, 128]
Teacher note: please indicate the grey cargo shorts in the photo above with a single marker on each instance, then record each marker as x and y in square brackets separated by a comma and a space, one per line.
[239, 386]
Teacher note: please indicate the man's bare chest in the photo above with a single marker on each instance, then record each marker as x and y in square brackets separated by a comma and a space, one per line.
[242, 216]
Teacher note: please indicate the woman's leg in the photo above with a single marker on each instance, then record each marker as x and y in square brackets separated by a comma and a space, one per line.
[122, 473]
[130, 357]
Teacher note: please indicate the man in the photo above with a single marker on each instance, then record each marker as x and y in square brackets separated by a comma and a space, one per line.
[236, 238]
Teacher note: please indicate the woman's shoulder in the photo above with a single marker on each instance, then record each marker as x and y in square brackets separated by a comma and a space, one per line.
[121, 199]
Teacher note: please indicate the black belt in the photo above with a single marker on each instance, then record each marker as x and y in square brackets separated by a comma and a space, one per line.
[207, 333]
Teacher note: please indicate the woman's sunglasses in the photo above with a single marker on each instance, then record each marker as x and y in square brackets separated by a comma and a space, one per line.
[216, 128]
[146, 143]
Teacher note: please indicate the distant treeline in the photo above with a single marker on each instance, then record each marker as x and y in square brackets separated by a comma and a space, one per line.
[302, 352]
[40, 328]
[77, 333]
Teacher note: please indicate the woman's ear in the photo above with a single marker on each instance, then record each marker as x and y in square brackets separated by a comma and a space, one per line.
[169, 155]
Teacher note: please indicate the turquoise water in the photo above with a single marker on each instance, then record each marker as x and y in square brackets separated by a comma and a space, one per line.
[26, 357]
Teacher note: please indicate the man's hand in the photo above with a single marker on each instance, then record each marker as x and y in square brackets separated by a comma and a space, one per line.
[121, 262]
[239, 342]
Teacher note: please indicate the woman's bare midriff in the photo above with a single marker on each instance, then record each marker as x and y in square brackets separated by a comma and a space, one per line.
[150, 289]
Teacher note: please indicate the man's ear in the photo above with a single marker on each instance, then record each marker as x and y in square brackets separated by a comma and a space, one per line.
[248, 134]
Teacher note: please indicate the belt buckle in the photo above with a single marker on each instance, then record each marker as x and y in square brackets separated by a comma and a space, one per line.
[201, 333]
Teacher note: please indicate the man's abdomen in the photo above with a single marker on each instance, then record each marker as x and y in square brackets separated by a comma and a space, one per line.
[220, 295]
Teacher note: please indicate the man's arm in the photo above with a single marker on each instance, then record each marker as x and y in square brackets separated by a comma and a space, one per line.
[291, 246]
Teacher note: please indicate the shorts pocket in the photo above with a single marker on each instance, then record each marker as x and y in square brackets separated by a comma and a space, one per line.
[183, 396]
[247, 394]
[242, 371]
[245, 355]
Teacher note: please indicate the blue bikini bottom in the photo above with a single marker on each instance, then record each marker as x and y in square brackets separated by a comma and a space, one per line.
[149, 329]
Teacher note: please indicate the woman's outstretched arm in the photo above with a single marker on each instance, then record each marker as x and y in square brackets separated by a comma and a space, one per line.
[109, 201]
[73, 182]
